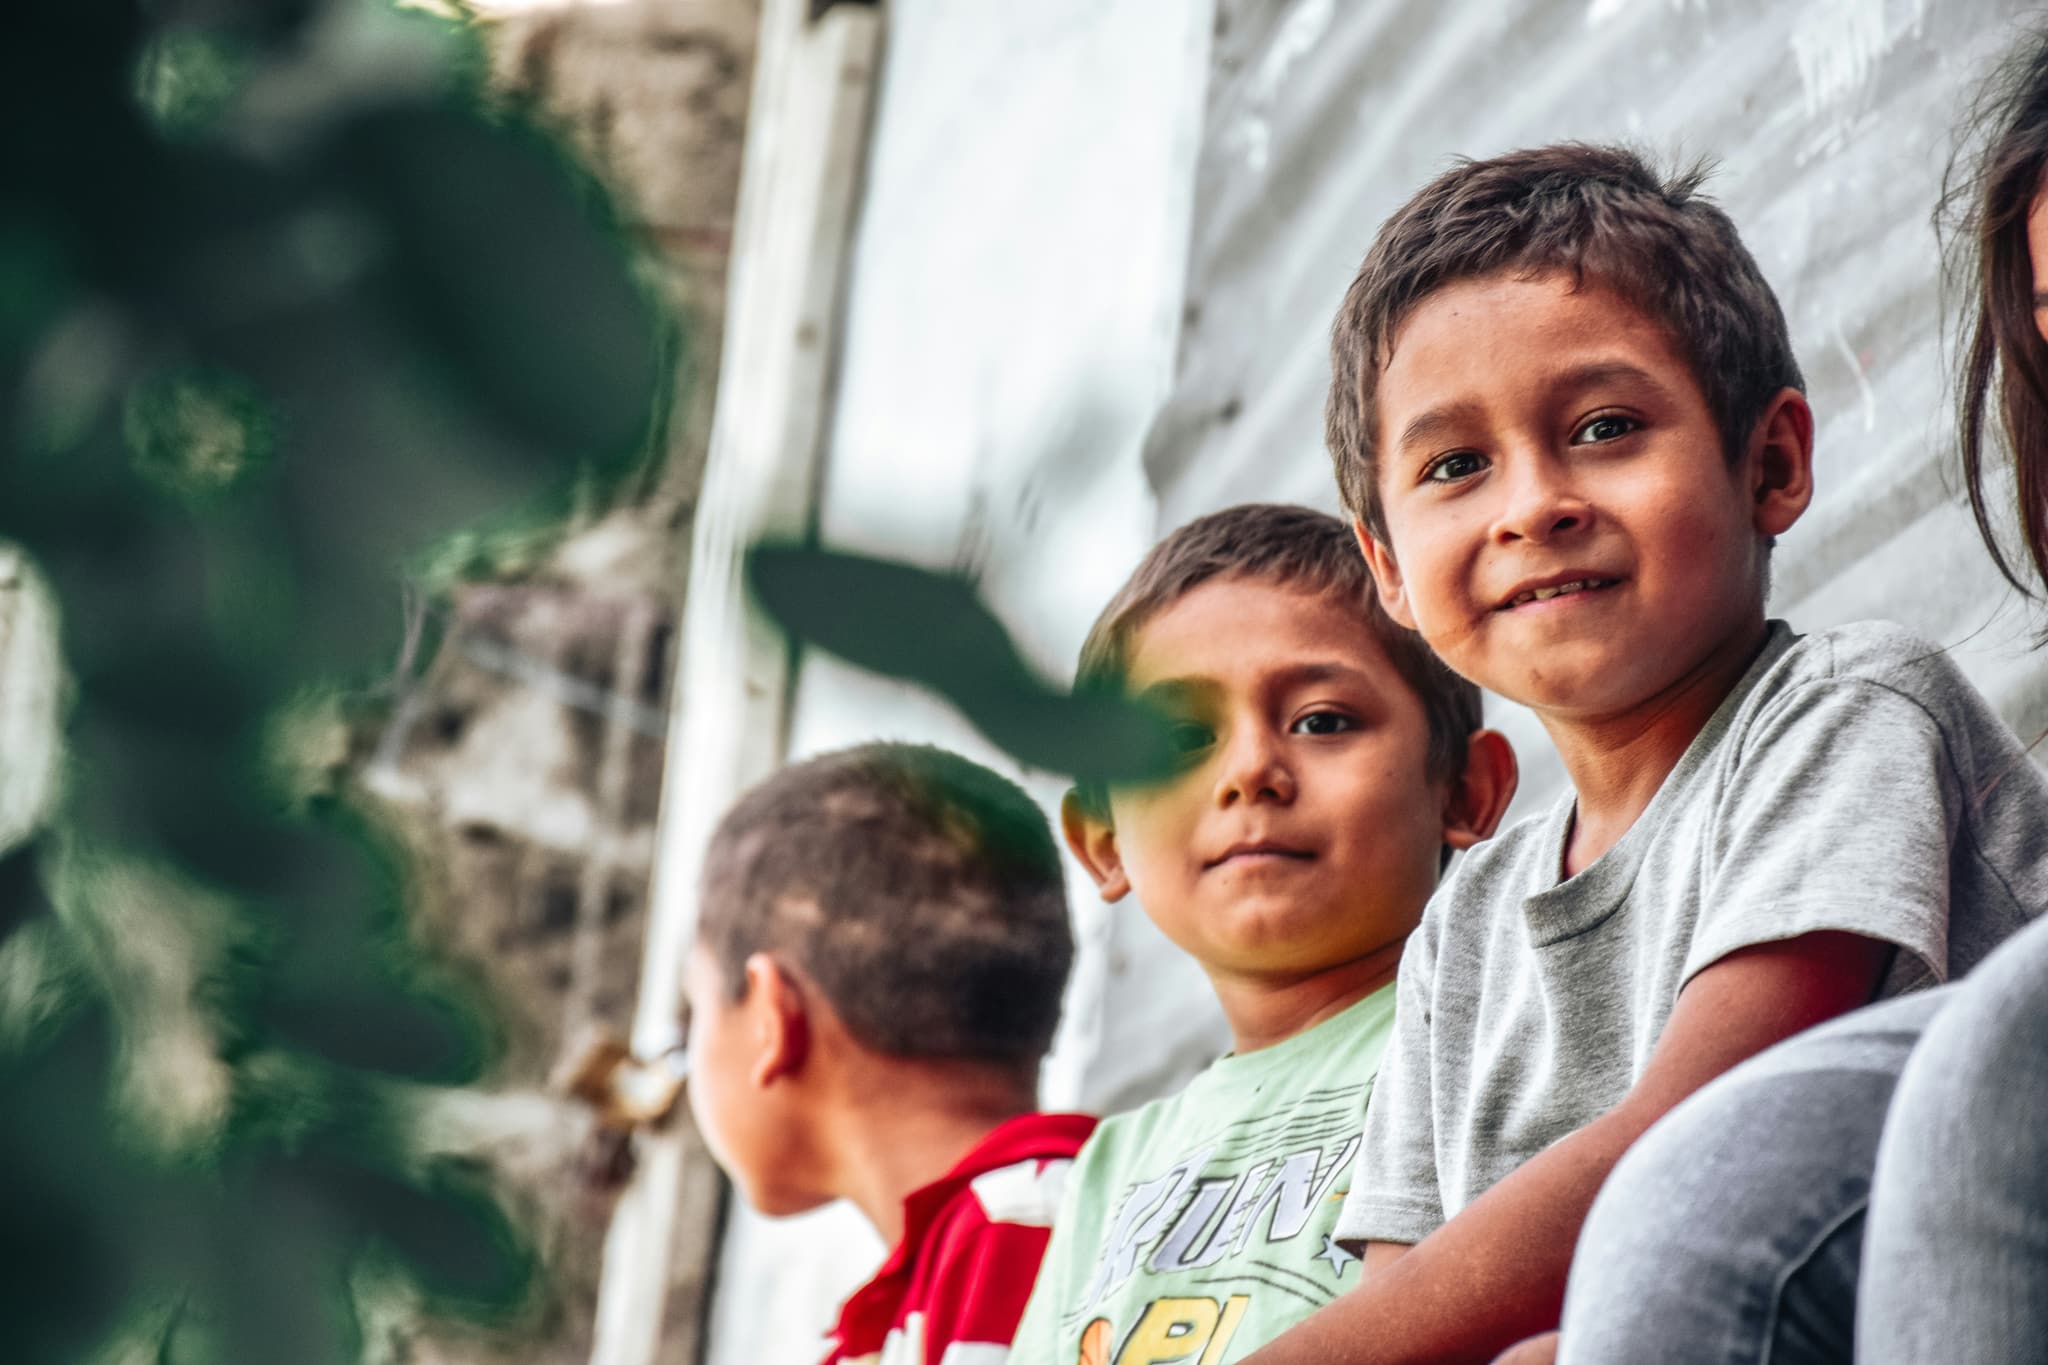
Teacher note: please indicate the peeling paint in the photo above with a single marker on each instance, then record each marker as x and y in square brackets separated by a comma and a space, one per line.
[1837, 47]
[1863, 388]
[1299, 33]
[1600, 11]
[1834, 137]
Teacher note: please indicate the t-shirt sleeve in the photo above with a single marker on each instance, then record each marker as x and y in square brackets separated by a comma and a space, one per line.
[1842, 816]
[1394, 1195]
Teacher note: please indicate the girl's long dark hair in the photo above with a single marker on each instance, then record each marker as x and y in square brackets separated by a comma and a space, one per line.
[1991, 185]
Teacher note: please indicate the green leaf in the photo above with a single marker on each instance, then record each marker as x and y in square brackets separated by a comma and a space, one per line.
[499, 260]
[934, 630]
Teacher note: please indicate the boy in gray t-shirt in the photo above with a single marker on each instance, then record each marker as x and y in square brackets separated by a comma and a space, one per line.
[1567, 419]
[1852, 782]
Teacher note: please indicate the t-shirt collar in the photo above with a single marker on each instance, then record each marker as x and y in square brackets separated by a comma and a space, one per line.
[1049, 1136]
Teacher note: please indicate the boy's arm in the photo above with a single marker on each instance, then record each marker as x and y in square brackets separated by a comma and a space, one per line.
[1495, 1273]
[1395, 1197]
[1379, 1255]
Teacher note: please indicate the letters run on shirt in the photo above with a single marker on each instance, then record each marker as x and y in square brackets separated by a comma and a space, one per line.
[1242, 1228]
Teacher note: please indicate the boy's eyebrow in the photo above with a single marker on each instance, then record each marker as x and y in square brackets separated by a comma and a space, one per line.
[1434, 423]
[1168, 690]
[2041, 298]
[1441, 420]
[1296, 674]
[1605, 372]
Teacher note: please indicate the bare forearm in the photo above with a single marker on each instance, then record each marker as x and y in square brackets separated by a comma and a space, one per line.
[1490, 1277]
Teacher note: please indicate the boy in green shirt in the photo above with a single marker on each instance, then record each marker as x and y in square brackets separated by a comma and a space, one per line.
[1331, 765]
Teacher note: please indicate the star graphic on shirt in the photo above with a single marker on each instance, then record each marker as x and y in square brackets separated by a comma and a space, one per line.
[1337, 1256]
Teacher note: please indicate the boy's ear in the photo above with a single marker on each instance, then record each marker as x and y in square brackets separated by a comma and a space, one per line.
[778, 1021]
[1781, 464]
[1093, 840]
[1480, 794]
[1386, 575]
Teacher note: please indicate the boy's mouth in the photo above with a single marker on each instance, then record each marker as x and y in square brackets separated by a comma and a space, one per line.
[1544, 592]
[1257, 851]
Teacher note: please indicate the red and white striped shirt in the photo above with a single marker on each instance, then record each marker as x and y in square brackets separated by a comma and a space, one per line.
[953, 1290]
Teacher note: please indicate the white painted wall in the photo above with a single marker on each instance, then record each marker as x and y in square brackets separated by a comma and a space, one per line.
[1010, 333]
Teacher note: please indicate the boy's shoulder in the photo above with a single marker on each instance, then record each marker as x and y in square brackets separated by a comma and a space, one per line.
[1873, 682]
[1013, 1176]
[1868, 655]
[972, 1241]
[1873, 651]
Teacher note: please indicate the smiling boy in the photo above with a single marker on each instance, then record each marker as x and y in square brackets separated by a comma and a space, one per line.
[1566, 416]
[1331, 763]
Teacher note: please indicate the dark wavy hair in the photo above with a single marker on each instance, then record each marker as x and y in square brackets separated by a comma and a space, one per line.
[1599, 213]
[921, 894]
[1991, 185]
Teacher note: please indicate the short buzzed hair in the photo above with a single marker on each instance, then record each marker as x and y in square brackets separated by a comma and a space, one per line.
[1590, 211]
[1289, 545]
[920, 893]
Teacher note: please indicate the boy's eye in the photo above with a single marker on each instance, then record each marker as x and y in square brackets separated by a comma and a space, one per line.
[1605, 428]
[1189, 737]
[1459, 464]
[1323, 723]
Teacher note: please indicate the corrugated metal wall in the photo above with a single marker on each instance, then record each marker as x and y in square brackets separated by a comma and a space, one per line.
[1100, 248]
[1831, 121]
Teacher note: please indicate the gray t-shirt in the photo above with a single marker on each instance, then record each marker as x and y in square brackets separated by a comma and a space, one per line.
[1853, 780]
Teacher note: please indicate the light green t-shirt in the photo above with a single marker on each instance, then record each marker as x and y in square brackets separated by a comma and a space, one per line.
[1198, 1228]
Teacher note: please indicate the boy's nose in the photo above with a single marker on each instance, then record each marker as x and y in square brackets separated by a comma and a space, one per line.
[1254, 770]
[1540, 502]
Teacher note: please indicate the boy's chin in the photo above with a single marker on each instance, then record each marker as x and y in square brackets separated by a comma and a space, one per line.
[1290, 946]
[1570, 688]
[782, 1203]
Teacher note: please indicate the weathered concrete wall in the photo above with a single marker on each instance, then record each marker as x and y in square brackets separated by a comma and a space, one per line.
[522, 767]
[654, 93]
[524, 762]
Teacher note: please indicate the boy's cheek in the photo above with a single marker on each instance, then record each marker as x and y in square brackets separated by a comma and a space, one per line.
[1146, 833]
[703, 1113]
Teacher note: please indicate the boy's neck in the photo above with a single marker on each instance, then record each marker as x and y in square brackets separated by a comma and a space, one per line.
[1617, 763]
[1266, 1010]
[906, 1123]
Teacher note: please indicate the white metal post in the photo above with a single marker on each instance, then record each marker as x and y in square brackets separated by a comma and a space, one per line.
[806, 144]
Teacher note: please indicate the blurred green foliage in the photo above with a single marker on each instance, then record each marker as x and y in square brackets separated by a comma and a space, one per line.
[284, 305]
[935, 630]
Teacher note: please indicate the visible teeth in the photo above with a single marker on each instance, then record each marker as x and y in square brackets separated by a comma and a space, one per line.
[1545, 594]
